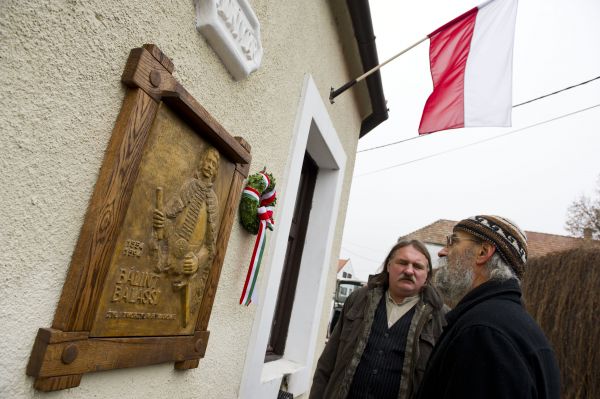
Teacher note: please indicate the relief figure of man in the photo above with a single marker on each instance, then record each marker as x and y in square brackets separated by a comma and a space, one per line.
[186, 233]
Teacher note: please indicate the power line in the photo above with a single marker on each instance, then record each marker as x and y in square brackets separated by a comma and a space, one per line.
[556, 92]
[514, 106]
[395, 142]
[479, 142]
[361, 256]
[360, 246]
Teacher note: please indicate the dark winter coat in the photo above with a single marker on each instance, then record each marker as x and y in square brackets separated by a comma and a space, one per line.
[340, 358]
[491, 348]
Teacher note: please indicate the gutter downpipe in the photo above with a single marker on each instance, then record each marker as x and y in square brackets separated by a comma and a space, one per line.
[360, 13]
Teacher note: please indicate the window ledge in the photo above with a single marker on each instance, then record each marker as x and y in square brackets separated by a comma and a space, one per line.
[278, 368]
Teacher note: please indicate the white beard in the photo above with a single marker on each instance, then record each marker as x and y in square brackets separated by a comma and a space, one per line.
[453, 283]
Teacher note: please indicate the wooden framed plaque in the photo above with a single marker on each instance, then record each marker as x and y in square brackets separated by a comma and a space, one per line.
[143, 276]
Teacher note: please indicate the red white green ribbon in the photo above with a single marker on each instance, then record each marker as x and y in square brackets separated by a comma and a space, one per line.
[265, 216]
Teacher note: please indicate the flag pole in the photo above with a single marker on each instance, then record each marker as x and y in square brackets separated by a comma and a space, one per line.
[334, 93]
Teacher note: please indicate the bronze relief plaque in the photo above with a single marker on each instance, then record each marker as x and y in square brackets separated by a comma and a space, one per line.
[145, 269]
[162, 258]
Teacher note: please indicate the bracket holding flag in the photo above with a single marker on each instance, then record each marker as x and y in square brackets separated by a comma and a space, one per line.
[333, 93]
[471, 68]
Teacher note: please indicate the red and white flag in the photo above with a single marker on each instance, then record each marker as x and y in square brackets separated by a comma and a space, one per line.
[471, 67]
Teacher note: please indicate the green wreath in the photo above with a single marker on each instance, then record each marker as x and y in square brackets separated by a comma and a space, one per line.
[259, 192]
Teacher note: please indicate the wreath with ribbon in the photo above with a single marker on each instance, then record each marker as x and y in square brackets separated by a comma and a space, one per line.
[256, 216]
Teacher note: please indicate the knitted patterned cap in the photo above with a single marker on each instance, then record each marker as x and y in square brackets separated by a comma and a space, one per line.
[509, 240]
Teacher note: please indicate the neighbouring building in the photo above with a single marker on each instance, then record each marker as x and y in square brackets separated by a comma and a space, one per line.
[345, 269]
[347, 282]
[539, 244]
[263, 70]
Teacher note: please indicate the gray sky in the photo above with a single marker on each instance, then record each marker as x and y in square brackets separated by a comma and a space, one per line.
[530, 176]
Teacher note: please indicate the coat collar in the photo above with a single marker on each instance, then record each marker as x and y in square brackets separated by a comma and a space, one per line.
[507, 290]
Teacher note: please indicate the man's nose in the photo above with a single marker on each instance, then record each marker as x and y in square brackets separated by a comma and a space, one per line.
[443, 252]
[409, 269]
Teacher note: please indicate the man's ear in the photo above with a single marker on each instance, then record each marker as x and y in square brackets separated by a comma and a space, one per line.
[484, 253]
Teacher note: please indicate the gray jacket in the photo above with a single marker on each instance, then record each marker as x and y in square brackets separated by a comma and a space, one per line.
[340, 358]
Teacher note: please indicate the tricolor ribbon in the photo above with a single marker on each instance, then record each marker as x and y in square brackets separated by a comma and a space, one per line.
[265, 216]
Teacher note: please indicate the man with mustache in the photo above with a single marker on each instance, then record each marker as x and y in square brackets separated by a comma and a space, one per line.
[491, 347]
[386, 331]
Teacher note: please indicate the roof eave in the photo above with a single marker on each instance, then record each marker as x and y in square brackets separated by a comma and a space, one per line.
[360, 13]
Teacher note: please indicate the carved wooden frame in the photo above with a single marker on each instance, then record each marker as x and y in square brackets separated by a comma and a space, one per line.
[63, 353]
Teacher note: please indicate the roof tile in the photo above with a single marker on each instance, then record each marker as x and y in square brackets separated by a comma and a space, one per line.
[538, 244]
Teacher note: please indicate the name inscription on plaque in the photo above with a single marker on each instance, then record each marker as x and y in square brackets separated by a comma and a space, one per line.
[135, 286]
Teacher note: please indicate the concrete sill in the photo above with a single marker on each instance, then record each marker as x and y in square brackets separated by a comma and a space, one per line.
[279, 368]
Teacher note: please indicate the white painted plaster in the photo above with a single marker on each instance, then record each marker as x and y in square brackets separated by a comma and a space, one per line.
[433, 251]
[348, 269]
[314, 133]
[233, 31]
[60, 74]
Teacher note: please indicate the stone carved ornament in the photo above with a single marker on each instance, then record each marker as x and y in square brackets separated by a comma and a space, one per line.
[232, 30]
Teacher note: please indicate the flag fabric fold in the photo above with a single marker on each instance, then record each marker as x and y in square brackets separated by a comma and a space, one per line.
[471, 68]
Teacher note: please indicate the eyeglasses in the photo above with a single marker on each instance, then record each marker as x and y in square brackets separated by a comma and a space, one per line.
[453, 239]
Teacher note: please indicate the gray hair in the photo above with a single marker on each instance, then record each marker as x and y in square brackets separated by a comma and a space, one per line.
[382, 278]
[499, 270]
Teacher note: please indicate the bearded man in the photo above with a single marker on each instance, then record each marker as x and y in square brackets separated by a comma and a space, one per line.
[491, 347]
[385, 333]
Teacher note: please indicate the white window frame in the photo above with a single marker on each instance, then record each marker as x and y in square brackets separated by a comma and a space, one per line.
[313, 133]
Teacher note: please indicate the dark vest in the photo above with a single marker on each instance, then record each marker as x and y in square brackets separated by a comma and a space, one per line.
[380, 369]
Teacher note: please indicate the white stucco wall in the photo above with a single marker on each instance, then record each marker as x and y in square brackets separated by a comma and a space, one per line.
[348, 269]
[60, 68]
[433, 252]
